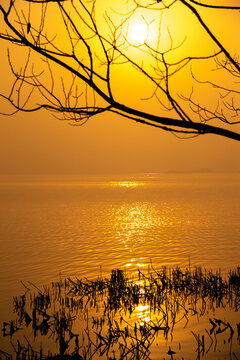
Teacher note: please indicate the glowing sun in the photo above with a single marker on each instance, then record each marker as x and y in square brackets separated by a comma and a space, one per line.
[138, 32]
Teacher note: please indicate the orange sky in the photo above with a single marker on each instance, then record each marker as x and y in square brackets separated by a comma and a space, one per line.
[42, 145]
[37, 144]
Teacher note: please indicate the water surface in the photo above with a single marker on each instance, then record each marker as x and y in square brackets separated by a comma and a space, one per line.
[81, 227]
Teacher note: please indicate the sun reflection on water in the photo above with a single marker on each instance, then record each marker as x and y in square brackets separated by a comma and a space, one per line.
[133, 218]
[126, 184]
[133, 223]
[143, 313]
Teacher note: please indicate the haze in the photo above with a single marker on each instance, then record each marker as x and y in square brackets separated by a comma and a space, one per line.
[39, 145]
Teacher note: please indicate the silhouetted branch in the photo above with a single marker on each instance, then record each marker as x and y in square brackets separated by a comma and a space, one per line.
[92, 50]
[211, 6]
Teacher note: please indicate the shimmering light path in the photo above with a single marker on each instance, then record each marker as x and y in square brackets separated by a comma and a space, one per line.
[82, 227]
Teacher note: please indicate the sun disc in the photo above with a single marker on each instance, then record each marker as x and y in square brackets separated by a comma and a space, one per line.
[138, 32]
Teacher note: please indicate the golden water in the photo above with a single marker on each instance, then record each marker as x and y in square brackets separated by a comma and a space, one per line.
[87, 225]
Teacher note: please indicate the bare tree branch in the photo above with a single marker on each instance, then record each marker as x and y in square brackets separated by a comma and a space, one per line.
[91, 45]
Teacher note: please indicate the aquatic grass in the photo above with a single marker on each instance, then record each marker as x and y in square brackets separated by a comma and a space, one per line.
[85, 319]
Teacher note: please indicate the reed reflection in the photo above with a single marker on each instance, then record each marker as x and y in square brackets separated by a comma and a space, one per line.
[118, 318]
[142, 311]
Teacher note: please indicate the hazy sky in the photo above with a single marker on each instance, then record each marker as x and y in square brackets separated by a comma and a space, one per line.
[38, 144]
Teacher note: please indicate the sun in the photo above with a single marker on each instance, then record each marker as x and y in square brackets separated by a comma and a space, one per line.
[138, 32]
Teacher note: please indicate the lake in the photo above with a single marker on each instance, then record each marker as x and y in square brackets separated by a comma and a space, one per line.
[91, 225]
